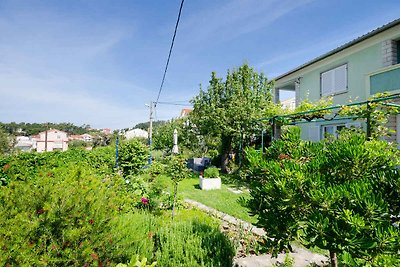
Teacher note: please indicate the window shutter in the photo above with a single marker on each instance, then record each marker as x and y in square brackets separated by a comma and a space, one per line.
[340, 80]
[327, 80]
[314, 133]
[334, 80]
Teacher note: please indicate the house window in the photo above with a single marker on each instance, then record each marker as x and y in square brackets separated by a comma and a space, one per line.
[332, 129]
[334, 81]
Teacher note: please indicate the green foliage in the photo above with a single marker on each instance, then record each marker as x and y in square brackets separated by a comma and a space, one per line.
[145, 125]
[6, 142]
[340, 195]
[58, 219]
[26, 166]
[137, 263]
[193, 239]
[232, 106]
[133, 156]
[313, 110]
[211, 172]
[78, 144]
[177, 169]
[289, 261]
[35, 128]
[376, 113]
[188, 138]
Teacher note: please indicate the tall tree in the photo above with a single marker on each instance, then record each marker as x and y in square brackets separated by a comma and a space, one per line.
[231, 107]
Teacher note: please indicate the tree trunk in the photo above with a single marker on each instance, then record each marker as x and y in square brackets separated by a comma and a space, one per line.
[334, 262]
[173, 203]
[226, 150]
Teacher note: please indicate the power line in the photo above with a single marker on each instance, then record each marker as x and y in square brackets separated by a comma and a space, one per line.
[175, 104]
[169, 54]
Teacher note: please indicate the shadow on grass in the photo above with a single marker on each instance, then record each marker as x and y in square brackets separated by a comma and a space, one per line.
[196, 186]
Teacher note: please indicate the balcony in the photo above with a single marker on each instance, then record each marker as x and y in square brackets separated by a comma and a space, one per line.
[385, 80]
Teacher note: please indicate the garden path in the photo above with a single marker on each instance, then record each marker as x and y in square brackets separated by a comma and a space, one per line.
[302, 257]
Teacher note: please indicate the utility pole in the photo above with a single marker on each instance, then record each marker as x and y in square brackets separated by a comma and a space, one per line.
[45, 137]
[150, 129]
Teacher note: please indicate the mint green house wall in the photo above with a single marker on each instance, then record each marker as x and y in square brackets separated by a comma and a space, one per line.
[359, 65]
[373, 65]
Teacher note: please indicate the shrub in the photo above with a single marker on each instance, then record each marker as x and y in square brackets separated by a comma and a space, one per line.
[211, 172]
[193, 239]
[60, 218]
[27, 166]
[133, 156]
[340, 195]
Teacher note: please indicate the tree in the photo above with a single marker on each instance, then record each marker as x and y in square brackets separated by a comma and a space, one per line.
[187, 135]
[6, 142]
[178, 171]
[230, 108]
[340, 195]
[145, 125]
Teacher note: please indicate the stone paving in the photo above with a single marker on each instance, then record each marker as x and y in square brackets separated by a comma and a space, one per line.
[302, 257]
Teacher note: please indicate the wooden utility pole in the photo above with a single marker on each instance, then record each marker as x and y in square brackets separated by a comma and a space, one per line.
[150, 130]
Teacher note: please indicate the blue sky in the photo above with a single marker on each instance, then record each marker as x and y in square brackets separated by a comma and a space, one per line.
[98, 62]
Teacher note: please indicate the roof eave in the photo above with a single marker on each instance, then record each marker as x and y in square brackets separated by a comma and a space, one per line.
[342, 47]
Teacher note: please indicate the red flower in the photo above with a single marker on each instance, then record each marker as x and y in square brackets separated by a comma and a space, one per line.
[91, 221]
[145, 201]
[39, 211]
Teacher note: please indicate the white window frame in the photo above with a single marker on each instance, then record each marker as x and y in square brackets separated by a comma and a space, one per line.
[334, 128]
[355, 124]
[329, 81]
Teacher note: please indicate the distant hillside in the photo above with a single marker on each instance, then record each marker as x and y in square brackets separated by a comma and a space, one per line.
[145, 125]
[23, 128]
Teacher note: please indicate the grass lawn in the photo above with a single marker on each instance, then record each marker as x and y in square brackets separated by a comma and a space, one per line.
[222, 200]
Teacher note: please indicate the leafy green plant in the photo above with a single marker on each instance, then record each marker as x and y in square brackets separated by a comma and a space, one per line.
[230, 107]
[211, 172]
[133, 155]
[339, 195]
[191, 239]
[61, 218]
[137, 263]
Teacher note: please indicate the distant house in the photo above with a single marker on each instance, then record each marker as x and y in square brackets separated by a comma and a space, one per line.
[354, 71]
[25, 143]
[135, 133]
[52, 140]
[81, 137]
[185, 112]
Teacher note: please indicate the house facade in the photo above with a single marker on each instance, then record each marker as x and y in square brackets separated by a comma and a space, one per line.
[52, 140]
[25, 143]
[136, 133]
[353, 72]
